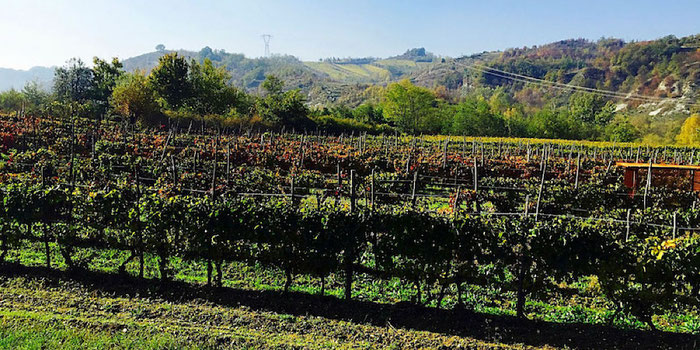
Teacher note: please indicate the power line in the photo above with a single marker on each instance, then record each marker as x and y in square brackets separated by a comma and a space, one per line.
[561, 86]
[621, 94]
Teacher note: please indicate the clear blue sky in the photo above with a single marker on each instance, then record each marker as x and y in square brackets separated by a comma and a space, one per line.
[48, 32]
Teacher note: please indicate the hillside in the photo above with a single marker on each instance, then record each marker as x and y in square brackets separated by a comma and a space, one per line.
[16, 79]
[666, 68]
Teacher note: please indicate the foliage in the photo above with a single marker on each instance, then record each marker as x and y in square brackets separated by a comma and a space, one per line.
[690, 131]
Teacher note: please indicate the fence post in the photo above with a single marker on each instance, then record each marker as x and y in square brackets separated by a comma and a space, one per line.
[476, 176]
[527, 205]
[291, 192]
[578, 168]
[413, 191]
[675, 224]
[648, 186]
[372, 192]
[627, 235]
[352, 191]
[539, 193]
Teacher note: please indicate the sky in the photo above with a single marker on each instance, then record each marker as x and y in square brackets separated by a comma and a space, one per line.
[49, 32]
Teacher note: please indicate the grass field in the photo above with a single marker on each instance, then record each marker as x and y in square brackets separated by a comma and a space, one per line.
[42, 308]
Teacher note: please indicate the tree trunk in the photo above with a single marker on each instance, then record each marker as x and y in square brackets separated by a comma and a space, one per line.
[520, 306]
[3, 250]
[459, 293]
[209, 271]
[219, 274]
[288, 282]
[66, 253]
[141, 263]
[163, 266]
[122, 267]
[441, 296]
[348, 277]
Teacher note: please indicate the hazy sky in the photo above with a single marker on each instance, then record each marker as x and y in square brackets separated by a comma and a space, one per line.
[49, 32]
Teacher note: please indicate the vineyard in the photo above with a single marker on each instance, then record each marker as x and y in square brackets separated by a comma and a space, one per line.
[447, 222]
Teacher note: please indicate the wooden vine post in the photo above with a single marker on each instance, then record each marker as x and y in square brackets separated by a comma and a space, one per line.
[413, 190]
[578, 169]
[627, 224]
[522, 273]
[539, 192]
[372, 193]
[648, 185]
[349, 248]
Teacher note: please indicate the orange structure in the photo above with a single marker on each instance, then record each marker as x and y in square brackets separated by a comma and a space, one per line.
[667, 175]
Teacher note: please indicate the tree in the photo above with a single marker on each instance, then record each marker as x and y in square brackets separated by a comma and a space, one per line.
[36, 97]
[555, 124]
[210, 92]
[133, 97]
[591, 108]
[474, 117]
[273, 85]
[690, 131]
[73, 82]
[288, 108]
[408, 105]
[160, 47]
[368, 113]
[105, 76]
[11, 100]
[621, 131]
[170, 80]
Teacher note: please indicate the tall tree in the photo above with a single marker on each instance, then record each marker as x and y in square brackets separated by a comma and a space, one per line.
[105, 76]
[170, 80]
[133, 97]
[211, 94]
[73, 82]
[408, 105]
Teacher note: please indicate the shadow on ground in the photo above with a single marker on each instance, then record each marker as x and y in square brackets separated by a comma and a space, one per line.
[462, 323]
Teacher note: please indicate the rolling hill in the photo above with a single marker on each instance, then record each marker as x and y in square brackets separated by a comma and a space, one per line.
[666, 68]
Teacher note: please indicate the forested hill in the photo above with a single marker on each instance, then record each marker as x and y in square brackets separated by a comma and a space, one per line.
[328, 81]
[663, 68]
[668, 67]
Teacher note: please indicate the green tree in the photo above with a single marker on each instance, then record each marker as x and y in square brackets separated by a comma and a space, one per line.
[133, 97]
[36, 97]
[74, 82]
[211, 95]
[11, 100]
[555, 124]
[408, 105]
[273, 85]
[591, 108]
[474, 117]
[368, 113]
[170, 80]
[282, 108]
[621, 131]
[105, 75]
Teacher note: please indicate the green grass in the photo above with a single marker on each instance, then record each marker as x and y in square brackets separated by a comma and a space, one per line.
[30, 330]
[38, 313]
[585, 306]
